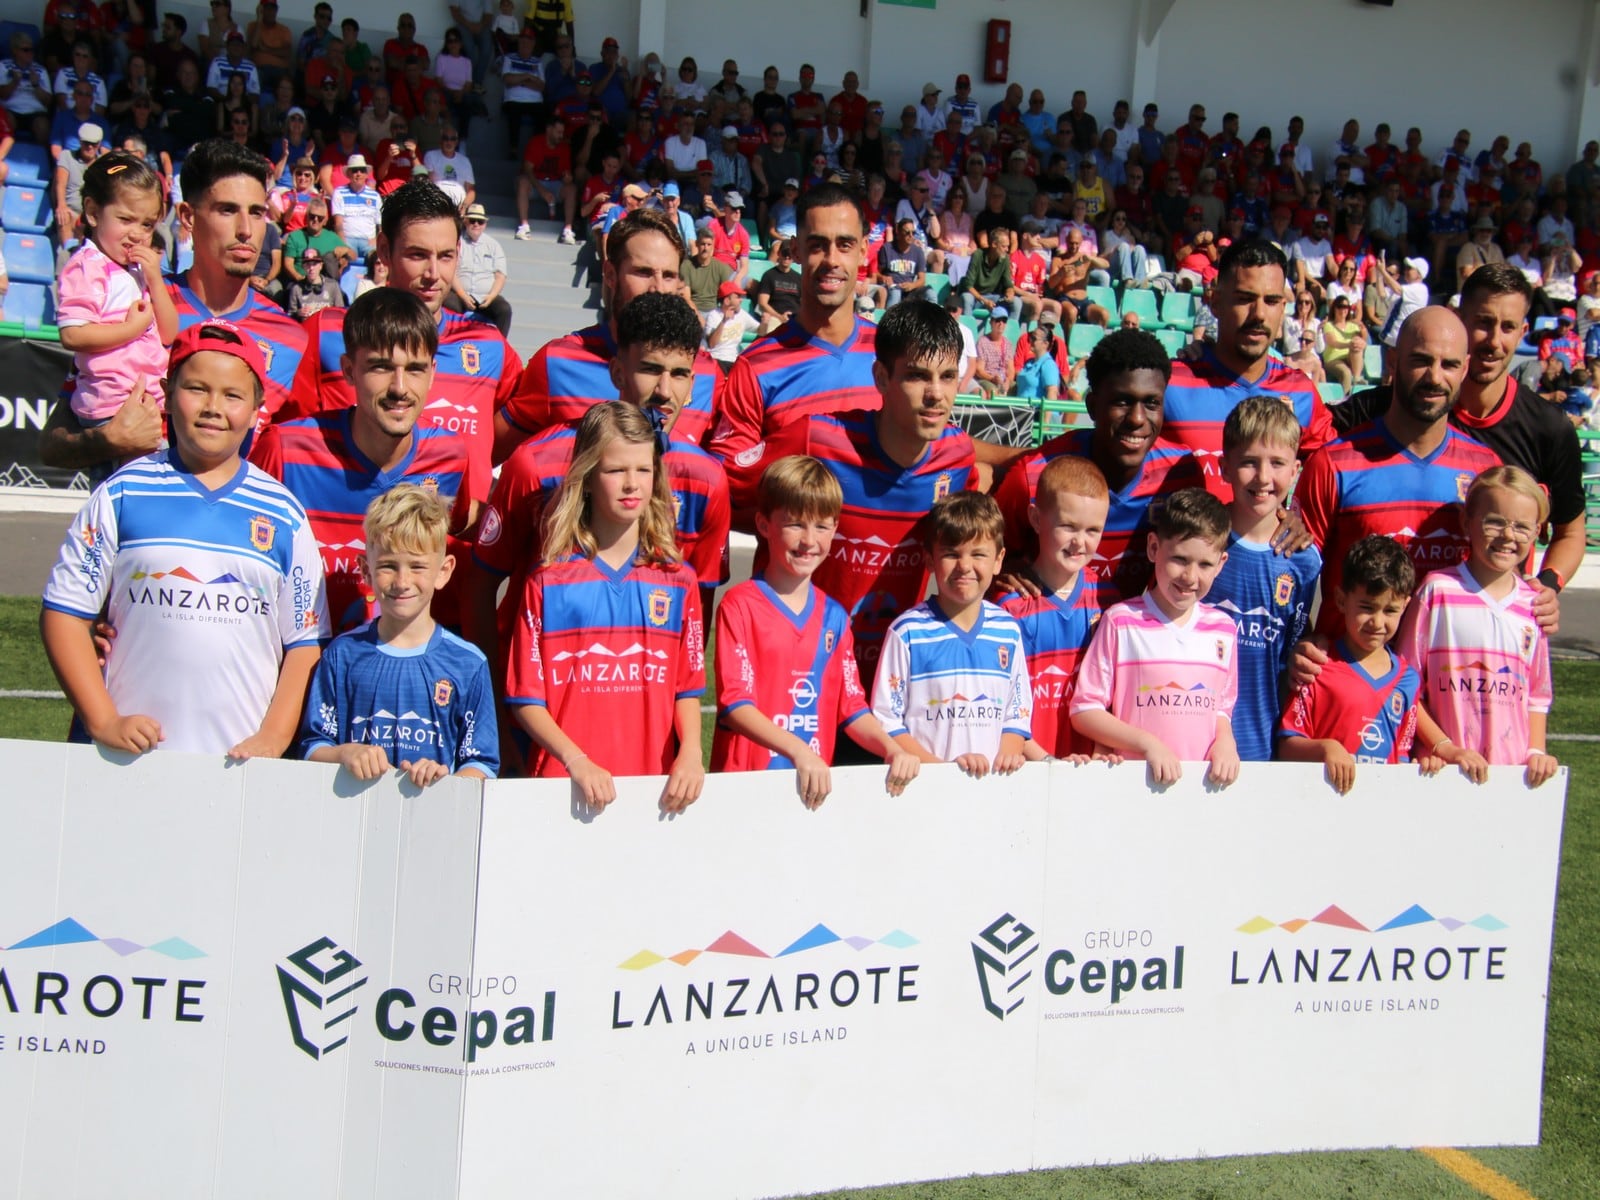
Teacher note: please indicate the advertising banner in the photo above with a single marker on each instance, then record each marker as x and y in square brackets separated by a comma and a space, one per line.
[268, 980]
[30, 385]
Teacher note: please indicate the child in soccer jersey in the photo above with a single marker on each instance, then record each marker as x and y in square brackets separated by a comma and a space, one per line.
[1267, 594]
[115, 314]
[608, 661]
[1472, 633]
[207, 569]
[403, 691]
[952, 683]
[786, 664]
[1362, 706]
[1068, 514]
[1161, 676]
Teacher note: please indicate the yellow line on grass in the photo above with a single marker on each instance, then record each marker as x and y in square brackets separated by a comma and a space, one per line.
[1468, 1169]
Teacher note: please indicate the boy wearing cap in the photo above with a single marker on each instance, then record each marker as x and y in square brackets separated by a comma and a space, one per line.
[218, 606]
[727, 324]
[1411, 295]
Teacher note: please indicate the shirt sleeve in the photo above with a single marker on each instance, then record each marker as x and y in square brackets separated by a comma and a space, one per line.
[1230, 686]
[1300, 718]
[1012, 496]
[1540, 687]
[525, 667]
[303, 609]
[710, 559]
[1317, 498]
[478, 743]
[79, 583]
[735, 673]
[1019, 700]
[267, 453]
[81, 297]
[1319, 429]
[510, 516]
[320, 725]
[853, 703]
[1412, 639]
[1097, 670]
[692, 648]
[889, 689]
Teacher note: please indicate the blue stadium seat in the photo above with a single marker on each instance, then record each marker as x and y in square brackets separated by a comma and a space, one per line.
[1106, 298]
[1143, 302]
[1172, 340]
[26, 208]
[1177, 311]
[28, 164]
[30, 305]
[29, 258]
[1331, 393]
[1083, 339]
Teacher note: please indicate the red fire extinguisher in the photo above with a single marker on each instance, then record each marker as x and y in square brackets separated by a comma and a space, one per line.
[997, 52]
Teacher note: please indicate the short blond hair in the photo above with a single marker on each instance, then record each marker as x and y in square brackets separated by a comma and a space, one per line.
[1510, 479]
[1072, 476]
[1261, 419]
[408, 517]
[801, 486]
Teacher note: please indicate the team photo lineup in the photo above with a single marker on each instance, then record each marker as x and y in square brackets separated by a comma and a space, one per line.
[374, 534]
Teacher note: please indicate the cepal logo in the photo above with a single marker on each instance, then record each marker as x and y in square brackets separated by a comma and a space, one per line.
[1000, 954]
[318, 999]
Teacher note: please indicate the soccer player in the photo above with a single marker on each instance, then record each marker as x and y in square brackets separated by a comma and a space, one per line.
[1161, 675]
[225, 206]
[786, 665]
[1403, 474]
[952, 682]
[653, 370]
[1362, 705]
[892, 464]
[608, 662]
[401, 691]
[568, 376]
[206, 567]
[1267, 595]
[1128, 374]
[1473, 636]
[475, 368]
[339, 462]
[1249, 299]
[1068, 517]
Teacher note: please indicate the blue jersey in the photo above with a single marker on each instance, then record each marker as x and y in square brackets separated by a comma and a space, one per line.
[432, 702]
[1268, 596]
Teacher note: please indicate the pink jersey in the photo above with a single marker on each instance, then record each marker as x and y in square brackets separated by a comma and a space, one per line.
[1485, 664]
[96, 291]
[1168, 679]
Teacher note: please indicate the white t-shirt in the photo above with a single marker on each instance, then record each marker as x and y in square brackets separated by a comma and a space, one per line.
[727, 350]
[207, 591]
[456, 169]
[1314, 255]
[1413, 296]
[684, 158]
[360, 212]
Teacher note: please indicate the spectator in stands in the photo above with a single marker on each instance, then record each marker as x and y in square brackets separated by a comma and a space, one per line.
[988, 279]
[955, 236]
[1120, 245]
[1480, 251]
[704, 274]
[777, 294]
[1581, 177]
[1040, 377]
[315, 235]
[1344, 343]
[993, 375]
[68, 120]
[1410, 290]
[451, 169]
[480, 274]
[1068, 284]
[730, 168]
[1302, 337]
[231, 62]
[547, 171]
[236, 114]
[67, 190]
[909, 138]
[728, 89]
[1312, 257]
[727, 325]
[220, 26]
[1561, 264]
[190, 111]
[463, 95]
[270, 45]
[902, 265]
[25, 87]
[316, 291]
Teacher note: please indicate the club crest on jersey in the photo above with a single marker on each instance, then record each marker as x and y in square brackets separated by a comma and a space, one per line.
[443, 689]
[1283, 590]
[470, 363]
[941, 489]
[431, 482]
[1529, 633]
[262, 531]
[1222, 650]
[1003, 653]
[660, 607]
[677, 508]
[1463, 482]
[827, 641]
[1397, 705]
[266, 354]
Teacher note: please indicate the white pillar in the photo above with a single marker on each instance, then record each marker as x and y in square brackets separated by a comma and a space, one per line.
[652, 28]
[1586, 109]
[1151, 15]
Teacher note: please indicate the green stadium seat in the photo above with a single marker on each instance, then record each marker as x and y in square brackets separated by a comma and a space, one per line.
[1331, 393]
[1177, 311]
[758, 268]
[1172, 340]
[1143, 302]
[1372, 364]
[939, 284]
[1083, 339]
[1106, 298]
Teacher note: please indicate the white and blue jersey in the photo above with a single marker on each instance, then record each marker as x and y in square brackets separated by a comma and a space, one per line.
[207, 590]
[433, 701]
[957, 691]
[1269, 598]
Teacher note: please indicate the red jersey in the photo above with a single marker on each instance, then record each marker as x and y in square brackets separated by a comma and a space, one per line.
[796, 669]
[853, 106]
[607, 192]
[393, 166]
[1374, 719]
[1028, 271]
[1367, 482]
[548, 162]
[609, 654]
[1055, 632]
[731, 245]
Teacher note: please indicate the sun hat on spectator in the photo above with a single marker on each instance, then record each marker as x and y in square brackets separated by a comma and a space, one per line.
[91, 134]
[730, 131]
[356, 162]
[1484, 222]
[930, 89]
[477, 212]
[998, 313]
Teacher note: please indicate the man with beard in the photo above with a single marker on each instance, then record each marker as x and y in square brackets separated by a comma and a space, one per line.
[1251, 293]
[225, 211]
[1404, 474]
[1516, 424]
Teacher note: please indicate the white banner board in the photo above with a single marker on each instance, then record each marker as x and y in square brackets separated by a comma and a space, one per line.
[267, 980]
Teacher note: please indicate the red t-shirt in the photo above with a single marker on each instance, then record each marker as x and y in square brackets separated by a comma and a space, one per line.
[547, 161]
[730, 247]
[854, 109]
[1028, 271]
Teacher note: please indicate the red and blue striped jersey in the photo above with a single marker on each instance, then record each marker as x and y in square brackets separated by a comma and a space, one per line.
[1201, 394]
[1374, 719]
[796, 669]
[281, 339]
[567, 377]
[609, 653]
[316, 458]
[1367, 482]
[474, 374]
[1120, 564]
[509, 531]
[877, 569]
[788, 375]
[1055, 632]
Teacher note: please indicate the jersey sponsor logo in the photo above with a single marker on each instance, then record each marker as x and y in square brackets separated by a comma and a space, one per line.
[803, 692]
[489, 531]
[1283, 590]
[660, 607]
[262, 531]
[1372, 736]
[442, 691]
[470, 362]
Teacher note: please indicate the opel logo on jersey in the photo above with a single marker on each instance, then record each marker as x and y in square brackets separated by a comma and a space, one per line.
[803, 692]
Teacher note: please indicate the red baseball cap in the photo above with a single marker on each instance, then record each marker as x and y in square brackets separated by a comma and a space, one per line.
[704, 165]
[609, 44]
[729, 288]
[219, 337]
[963, 80]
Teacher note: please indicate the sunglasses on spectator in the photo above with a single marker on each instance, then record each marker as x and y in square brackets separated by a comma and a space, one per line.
[314, 216]
[477, 221]
[449, 137]
[312, 260]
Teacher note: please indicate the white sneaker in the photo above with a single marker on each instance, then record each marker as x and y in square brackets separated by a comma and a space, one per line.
[524, 234]
[568, 238]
